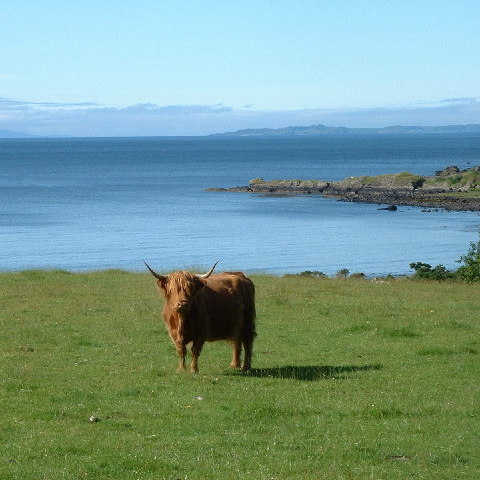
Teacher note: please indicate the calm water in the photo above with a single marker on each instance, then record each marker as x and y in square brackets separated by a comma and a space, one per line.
[86, 204]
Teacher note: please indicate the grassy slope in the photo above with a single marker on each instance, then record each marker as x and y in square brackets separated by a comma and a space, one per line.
[352, 380]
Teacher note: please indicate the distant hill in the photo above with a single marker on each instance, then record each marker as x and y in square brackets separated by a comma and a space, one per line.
[10, 134]
[325, 130]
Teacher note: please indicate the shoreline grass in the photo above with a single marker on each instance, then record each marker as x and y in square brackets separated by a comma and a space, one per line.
[351, 379]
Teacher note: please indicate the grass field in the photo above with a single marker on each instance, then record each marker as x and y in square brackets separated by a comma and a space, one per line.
[352, 379]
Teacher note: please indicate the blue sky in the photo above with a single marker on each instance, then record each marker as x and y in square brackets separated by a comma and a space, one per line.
[119, 67]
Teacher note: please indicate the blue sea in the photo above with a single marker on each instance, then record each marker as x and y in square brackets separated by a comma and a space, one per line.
[100, 203]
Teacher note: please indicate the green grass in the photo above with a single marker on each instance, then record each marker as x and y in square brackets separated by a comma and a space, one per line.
[403, 179]
[470, 179]
[352, 379]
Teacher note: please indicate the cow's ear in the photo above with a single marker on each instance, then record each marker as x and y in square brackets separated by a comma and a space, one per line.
[162, 284]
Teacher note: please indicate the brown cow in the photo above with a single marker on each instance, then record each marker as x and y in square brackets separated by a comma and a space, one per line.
[200, 308]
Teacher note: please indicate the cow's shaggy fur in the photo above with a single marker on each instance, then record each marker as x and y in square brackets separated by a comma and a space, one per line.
[209, 308]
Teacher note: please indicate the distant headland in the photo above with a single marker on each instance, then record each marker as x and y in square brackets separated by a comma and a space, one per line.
[325, 130]
[449, 189]
[10, 134]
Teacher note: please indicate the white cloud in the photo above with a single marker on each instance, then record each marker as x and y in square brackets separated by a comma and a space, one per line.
[461, 100]
[91, 119]
[175, 109]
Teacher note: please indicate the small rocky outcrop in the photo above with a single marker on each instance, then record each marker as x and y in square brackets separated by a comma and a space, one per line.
[390, 208]
[447, 171]
[450, 188]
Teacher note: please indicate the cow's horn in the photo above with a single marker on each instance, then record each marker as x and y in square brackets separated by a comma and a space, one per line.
[155, 274]
[206, 275]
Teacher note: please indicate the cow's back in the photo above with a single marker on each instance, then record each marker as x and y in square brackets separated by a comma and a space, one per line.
[229, 300]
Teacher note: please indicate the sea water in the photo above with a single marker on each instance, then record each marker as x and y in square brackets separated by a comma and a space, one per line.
[88, 204]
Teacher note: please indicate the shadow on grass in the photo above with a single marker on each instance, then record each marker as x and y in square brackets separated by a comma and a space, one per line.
[308, 373]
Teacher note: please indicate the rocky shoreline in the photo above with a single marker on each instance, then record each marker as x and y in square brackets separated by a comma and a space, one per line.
[449, 189]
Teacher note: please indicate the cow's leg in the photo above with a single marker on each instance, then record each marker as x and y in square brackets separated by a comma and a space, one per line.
[182, 352]
[247, 361]
[237, 350]
[196, 349]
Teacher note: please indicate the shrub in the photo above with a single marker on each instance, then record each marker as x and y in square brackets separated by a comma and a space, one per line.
[470, 271]
[343, 273]
[407, 178]
[424, 270]
[358, 275]
[314, 274]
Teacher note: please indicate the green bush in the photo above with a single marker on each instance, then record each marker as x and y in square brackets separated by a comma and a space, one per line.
[343, 273]
[407, 178]
[314, 274]
[424, 270]
[470, 270]
[358, 275]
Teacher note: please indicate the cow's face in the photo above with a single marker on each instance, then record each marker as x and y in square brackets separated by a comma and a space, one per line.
[180, 290]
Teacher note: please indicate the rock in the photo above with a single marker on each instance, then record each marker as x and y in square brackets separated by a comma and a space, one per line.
[391, 208]
[401, 458]
[447, 171]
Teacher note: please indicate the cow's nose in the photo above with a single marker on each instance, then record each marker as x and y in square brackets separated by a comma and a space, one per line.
[181, 306]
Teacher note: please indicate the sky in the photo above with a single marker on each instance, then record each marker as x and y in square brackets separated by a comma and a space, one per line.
[194, 67]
